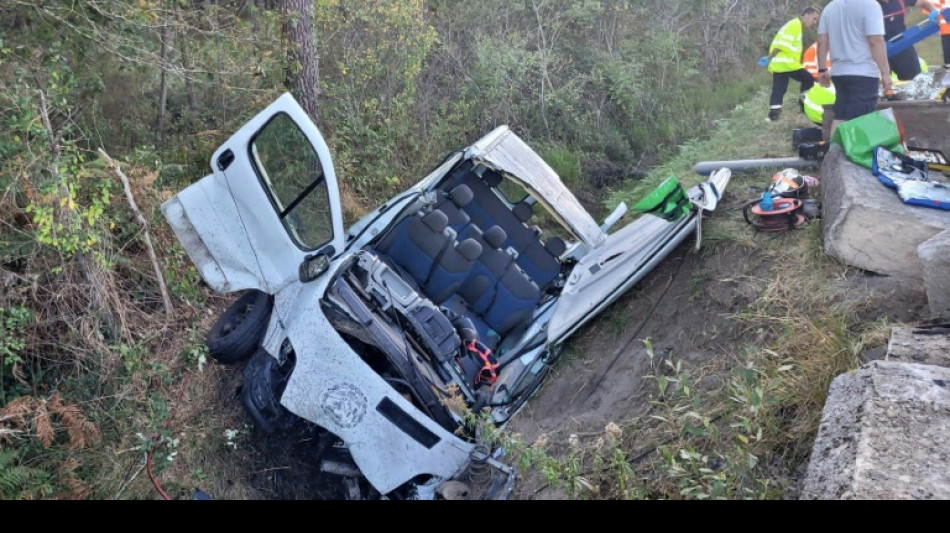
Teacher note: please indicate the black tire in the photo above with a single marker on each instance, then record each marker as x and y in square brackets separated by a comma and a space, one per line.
[237, 334]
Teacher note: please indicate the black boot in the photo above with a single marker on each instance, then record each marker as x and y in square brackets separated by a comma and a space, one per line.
[774, 114]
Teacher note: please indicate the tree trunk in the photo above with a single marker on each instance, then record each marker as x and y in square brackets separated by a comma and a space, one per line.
[303, 60]
[189, 75]
[163, 92]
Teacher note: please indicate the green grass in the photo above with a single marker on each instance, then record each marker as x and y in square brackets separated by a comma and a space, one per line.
[931, 49]
[744, 134]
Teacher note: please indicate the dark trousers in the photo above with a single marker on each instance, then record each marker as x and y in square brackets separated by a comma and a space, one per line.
[946, 49]
[905, 64]
[780, 85]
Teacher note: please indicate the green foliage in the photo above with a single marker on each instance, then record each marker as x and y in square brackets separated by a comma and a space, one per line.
[182, 277]
[70, 213]
[196, 352]
[19, 482]
[375, 56]
[710, 462]
[13, 322]
[566, 162]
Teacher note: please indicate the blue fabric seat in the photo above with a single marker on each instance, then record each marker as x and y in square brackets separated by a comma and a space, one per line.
[487, 209]
[422, 247]
[452, 203]
[481, 286]
[516, 298]
[541, 262]
[450, 270]
[416, 242]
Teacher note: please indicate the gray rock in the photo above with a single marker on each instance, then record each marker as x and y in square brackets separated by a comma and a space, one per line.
[884, 435]
[935, 258]
[918, 348]
[867, 225]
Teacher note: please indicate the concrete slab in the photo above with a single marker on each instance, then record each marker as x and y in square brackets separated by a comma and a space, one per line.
[867, 225]
[883, 436]
[916, 348]
[935, 258]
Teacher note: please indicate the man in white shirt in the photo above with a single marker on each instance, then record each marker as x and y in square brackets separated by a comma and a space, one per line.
[853, 30]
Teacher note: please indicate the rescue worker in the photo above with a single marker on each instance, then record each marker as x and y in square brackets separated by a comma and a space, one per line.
[944, 30]
[785, 60]
[906, 64]
[813, 101]
[810, 59]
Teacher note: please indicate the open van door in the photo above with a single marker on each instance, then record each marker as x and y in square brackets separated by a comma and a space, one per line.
[270, 212]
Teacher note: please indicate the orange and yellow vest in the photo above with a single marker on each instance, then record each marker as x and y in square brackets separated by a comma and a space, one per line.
[810, 60]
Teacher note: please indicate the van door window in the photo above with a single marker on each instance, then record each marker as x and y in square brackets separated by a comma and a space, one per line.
[290, 171]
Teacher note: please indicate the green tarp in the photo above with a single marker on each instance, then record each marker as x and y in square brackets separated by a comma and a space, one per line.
[668, 201]
[861, 136]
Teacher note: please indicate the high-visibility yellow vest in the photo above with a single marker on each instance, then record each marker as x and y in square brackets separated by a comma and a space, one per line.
[815, 100]
[788, 42]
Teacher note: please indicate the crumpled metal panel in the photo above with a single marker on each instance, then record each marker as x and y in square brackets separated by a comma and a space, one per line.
[208, 226]
[505, 152]
[602, 276]
[333, 388]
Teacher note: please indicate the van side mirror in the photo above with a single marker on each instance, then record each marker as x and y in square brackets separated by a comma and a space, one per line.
[313, 266]
[614, 217]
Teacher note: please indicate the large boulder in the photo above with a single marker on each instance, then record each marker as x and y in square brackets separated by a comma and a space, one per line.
[884, 436]
[935, 259]
[868, 226]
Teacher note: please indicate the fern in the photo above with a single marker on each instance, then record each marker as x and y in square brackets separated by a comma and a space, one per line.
[18, 481]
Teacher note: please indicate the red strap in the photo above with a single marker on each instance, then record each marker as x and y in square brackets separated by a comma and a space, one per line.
[901, 12]
[489, 371]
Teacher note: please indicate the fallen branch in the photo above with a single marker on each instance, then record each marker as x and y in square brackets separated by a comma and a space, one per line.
[148, 238]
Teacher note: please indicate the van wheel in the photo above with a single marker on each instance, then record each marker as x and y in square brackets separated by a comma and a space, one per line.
[238, 332]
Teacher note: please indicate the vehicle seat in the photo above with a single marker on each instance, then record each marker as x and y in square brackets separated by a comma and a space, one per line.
[515, 300]
[481, 286]
[541, 262]
[451, 269]
[488, 210]
[452, 204]
[416, 242]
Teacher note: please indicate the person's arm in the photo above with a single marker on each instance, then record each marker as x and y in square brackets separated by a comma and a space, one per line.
[927, 5]
[879, 52]
[824, 76]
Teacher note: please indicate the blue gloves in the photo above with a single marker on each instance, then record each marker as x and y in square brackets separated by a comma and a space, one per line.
[764, 62]
[934, 16]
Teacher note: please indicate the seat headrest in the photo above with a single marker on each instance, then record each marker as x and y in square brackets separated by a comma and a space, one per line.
[437, 221]
[556, 246]
[462, 195]
[470, 249]
[523, 211]
[496, 237]
[492, 178]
